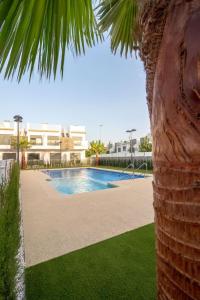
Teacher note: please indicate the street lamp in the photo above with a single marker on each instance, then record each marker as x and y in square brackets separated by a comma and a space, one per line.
[18, 119]
[130, 131]
[60, 152]
[100, 131]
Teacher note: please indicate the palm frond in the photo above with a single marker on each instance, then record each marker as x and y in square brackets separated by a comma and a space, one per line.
[41, 32]
[120, 18]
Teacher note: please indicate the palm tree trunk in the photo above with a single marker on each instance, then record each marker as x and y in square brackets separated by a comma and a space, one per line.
[173, 85]
[97, 159]
[23, 160]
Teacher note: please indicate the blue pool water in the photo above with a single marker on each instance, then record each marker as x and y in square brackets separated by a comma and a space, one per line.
[75, 181]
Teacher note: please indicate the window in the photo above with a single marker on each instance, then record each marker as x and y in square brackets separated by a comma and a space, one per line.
[9, 155]
[55, 156]
[33, 156]
[53, 140]
[124, 148]
[119, 150]
[75, 156]
[36, 140]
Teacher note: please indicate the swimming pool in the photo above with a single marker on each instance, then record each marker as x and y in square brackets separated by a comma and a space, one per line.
[75, 181]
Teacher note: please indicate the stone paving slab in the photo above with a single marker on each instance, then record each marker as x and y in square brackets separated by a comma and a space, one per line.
[56, 224]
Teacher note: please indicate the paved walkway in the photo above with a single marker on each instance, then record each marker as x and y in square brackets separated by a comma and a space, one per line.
[55, 224]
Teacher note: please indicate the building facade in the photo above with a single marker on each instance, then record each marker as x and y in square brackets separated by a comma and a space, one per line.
[47, 142]
[125, 148]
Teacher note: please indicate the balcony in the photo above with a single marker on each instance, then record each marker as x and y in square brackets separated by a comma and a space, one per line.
[36, 144]
[53, 141]
[83, 145]
[5, 141]
[44, 128]
[36, 140]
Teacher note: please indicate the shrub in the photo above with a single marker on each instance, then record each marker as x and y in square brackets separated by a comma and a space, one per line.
[9, 234]
[123, 163]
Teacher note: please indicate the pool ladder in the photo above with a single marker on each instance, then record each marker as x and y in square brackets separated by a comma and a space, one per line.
[132, 165]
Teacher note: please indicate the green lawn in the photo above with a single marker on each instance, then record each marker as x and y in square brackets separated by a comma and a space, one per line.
[122, 267]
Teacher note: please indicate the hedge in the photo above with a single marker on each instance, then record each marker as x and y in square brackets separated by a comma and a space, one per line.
[123, 163]
[9, 234]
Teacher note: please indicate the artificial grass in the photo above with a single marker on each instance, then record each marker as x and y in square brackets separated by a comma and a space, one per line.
[122, 267]
[9, 234]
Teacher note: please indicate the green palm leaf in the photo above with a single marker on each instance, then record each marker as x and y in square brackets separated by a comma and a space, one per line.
[120, 18]
[40, 31]
[97, 147]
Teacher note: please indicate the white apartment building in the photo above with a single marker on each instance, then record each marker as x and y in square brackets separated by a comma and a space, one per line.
[122, 148]
[47, 142]
[7, 131]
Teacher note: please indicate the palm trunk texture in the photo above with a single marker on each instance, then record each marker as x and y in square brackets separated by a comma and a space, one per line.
[170, 50]
[97, 160]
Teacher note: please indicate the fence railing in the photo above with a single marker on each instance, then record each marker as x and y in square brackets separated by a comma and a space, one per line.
[57, 163]
[5, 169]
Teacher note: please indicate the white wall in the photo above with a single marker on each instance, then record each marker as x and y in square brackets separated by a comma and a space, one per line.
[79, 132]
[5, 166]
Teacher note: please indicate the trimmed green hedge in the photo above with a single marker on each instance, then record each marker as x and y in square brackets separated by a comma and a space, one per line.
[123, 163]
[9, 234]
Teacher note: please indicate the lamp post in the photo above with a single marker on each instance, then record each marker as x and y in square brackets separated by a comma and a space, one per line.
[60, 152]
[130, 131]
[18, 119]
[100, 131]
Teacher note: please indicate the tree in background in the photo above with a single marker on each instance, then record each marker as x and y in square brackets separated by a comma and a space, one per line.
[88, 153]
[165, 34]
[23, 146]
[96, 148]
[145, 145]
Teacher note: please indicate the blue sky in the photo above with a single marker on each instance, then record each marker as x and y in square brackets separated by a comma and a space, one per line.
[98, 88]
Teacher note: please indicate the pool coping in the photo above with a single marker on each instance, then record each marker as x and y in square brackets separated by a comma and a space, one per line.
[122, 171]
[56, 224]
[113, 184]
[96, 168]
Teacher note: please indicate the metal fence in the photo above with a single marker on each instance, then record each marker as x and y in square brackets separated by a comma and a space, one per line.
[5, 168]
[57, 163]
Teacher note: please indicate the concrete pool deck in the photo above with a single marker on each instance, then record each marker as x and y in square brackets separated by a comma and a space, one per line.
[56, 224]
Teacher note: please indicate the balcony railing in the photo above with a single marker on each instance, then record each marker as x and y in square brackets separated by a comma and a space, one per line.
[36, 143]
[53, 143]
[44, 127]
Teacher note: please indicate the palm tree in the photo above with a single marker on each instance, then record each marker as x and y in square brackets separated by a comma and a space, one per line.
[23, 146]
[96, 148]
[165, 34]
